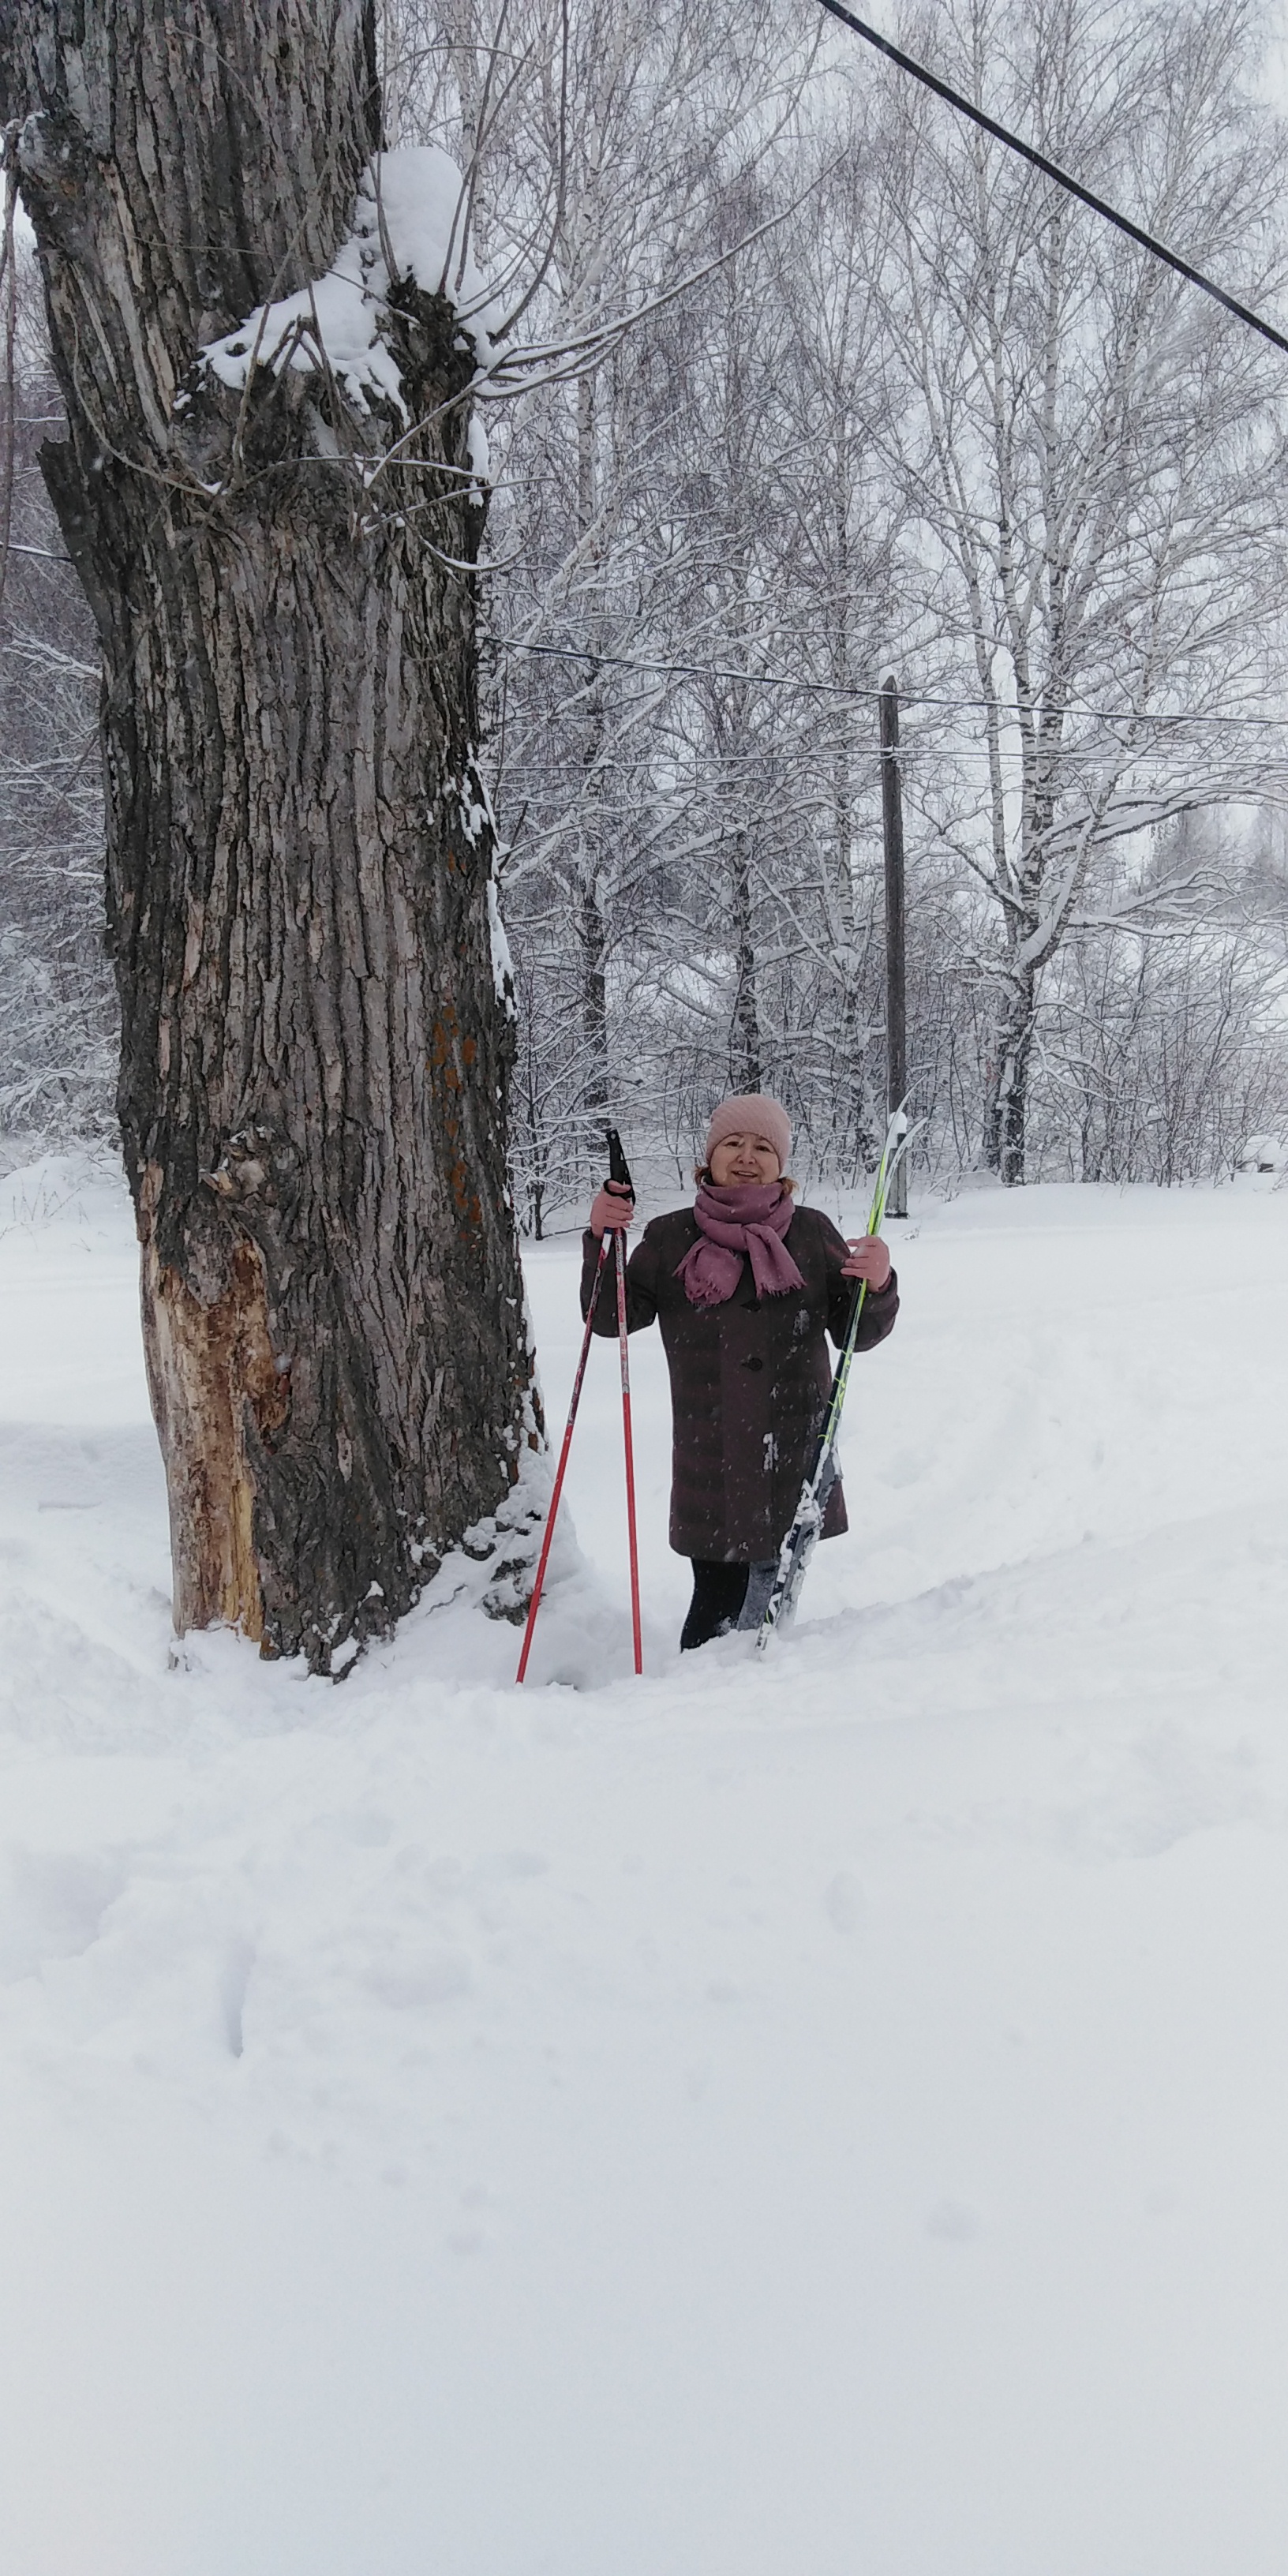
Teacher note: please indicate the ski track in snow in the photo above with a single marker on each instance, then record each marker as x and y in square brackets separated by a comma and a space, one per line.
[776, 2118]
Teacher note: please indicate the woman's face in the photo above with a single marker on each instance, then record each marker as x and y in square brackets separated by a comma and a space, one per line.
[744, 1162]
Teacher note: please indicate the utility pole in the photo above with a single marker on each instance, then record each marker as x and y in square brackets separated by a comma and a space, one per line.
[896, 992]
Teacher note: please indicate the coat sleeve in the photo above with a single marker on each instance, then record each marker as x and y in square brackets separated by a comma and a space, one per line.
[879, 1311]
[641, 1286]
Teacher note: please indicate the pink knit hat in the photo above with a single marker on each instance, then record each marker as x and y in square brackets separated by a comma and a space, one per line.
[750, 1113]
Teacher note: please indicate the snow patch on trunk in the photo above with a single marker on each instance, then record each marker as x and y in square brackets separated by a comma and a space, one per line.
[480, 456]
[476, 816]
[502, 962]
[410, 222]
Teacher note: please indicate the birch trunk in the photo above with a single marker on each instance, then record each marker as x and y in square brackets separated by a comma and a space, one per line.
[745, 1066]
[315, 1051]
[1007, 1079]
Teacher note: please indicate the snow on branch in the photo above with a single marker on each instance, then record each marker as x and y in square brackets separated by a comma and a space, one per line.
[408, 224]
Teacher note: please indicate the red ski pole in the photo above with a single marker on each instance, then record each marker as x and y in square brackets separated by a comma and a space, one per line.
[535, 1603]
[630, 1454]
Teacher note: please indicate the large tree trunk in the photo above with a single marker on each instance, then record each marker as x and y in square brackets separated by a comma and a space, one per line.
[315, 1048]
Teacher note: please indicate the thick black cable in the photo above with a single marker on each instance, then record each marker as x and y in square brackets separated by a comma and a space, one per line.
[1051, 170]
[587, 654]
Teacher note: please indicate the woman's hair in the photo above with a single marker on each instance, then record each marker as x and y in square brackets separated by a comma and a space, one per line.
[702, 1172]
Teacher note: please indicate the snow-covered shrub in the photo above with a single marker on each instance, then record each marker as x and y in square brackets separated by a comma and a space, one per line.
[57, 1036]
[1262, 1154]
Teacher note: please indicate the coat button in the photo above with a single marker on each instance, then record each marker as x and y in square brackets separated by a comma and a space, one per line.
[753, 1363]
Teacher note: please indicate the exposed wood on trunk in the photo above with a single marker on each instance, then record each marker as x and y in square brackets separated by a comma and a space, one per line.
[315, 1054]
[219, 1397]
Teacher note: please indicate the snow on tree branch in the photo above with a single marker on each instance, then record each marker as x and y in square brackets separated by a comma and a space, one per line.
[408, 225]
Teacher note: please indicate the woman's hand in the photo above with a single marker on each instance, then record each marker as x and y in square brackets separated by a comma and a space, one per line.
[869, 1259]
[613, 1209]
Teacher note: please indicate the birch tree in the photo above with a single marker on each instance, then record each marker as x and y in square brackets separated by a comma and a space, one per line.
[1090, 450]
[666, 110]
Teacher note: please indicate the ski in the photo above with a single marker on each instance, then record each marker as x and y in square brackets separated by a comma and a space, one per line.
[798, 1546]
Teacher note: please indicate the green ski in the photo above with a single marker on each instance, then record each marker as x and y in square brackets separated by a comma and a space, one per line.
[798, 1546]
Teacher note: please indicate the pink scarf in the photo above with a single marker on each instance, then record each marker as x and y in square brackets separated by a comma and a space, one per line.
[736, 1223]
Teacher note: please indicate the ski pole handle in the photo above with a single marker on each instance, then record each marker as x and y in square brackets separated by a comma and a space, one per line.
[619, 1169]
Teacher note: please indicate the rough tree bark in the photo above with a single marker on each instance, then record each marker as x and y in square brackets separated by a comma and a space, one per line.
[315, 1049]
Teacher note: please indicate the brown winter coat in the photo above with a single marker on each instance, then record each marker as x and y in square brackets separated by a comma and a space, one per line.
[749, 1380]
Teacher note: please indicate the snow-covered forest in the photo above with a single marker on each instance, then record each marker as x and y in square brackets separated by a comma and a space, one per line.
[833, 388]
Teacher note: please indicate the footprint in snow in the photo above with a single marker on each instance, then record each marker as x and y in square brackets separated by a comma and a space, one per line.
[844, 1903]
[952, 2222]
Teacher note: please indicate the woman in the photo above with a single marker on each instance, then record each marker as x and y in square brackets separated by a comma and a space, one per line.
[744, 1285]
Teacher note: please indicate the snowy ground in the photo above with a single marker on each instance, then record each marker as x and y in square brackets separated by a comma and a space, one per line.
[821, 2119]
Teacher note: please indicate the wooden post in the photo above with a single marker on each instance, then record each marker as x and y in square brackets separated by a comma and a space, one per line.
[896, 1018]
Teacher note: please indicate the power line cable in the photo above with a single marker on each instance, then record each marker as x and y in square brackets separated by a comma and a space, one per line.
[589, 653]
[1051, 170]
